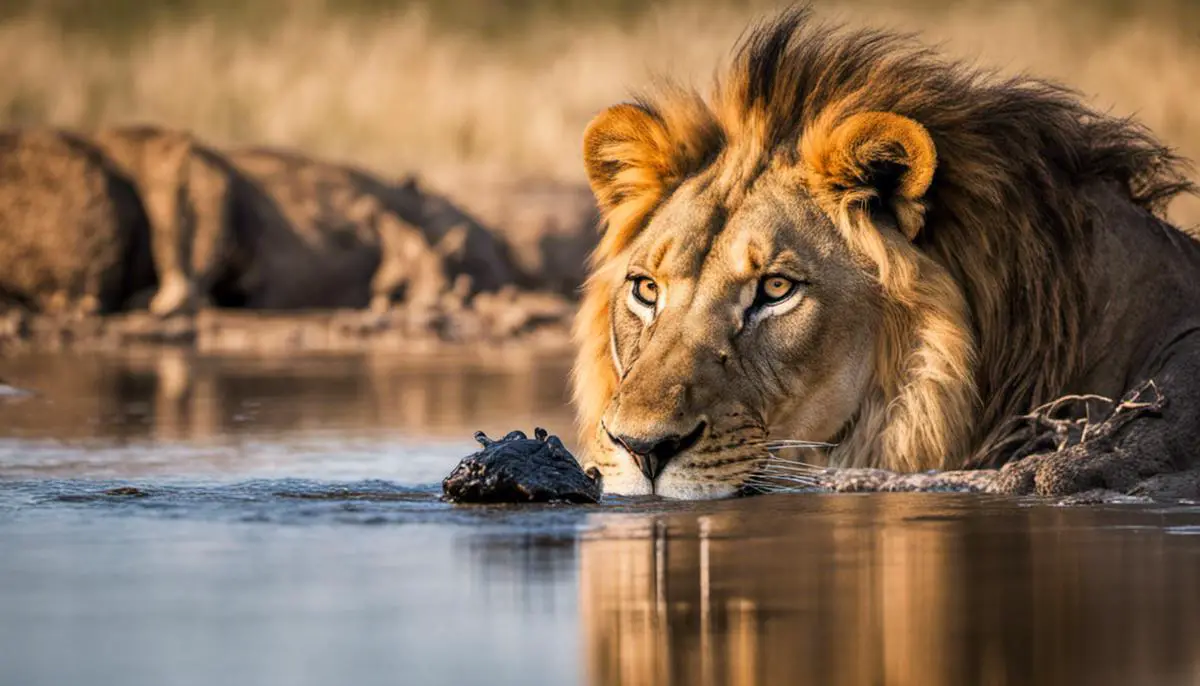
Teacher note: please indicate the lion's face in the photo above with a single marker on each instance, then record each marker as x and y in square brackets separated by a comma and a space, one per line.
[744, 295]
[734, 321]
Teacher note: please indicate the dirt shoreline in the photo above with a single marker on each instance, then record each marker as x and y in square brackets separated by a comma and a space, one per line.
[534, 321]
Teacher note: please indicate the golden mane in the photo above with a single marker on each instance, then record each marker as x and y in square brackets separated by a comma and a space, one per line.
[1002, 230]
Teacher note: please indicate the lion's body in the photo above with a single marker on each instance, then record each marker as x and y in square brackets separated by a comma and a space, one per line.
[96, 224]
[301, 233]
[137, 217]
[71, 226]
[1011, 237]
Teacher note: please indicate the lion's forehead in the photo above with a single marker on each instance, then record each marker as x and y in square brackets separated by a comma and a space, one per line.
[700, 235]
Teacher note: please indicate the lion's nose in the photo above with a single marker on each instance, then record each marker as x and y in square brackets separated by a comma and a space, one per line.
[653, 453]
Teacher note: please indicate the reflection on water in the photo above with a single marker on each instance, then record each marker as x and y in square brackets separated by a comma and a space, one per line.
[183, 519]
[893, 590]
[291, 581]
[176, 394]
[234, 414]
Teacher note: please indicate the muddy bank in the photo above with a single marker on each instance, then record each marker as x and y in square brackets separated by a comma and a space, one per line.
[1182, 487]
[509, 318]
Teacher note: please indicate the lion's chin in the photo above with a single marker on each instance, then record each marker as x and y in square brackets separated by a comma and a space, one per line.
[671, 485]
[683, 489]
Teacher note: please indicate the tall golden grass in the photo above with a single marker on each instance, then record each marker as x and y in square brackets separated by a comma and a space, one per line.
[400, 92]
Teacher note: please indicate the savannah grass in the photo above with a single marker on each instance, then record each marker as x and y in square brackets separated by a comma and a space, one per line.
[472, 87]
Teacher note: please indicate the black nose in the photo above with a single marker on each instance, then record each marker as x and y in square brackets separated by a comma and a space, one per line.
[652, 454]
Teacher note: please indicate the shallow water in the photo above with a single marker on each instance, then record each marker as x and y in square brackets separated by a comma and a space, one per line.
[196, 520]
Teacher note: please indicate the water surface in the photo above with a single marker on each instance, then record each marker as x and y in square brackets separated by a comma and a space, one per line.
[181, 519]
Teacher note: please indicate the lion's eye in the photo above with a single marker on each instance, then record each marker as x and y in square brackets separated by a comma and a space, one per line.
[774, 289]
[645, 291]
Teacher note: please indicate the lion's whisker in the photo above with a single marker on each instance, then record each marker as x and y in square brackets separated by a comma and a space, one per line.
[778, 463]
[796, 443]
[809, 444]
[764, 489]
[790, 478]
[789, 469]
[798, 479]
[778, 475]
[795, 485]
[777, 487]
[775, 450]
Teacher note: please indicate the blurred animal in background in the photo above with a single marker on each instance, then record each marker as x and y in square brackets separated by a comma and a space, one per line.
[549, 227]
[148, 218]
[284, 231]
[92, 226]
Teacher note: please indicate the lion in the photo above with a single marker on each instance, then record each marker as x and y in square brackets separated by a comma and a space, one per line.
[95, 225]
[857, 246]
[279, 230]
[140, 217]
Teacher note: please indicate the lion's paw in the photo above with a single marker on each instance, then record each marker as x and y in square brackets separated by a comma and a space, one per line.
[1065, 473]
[176, 296]
[1074, 470]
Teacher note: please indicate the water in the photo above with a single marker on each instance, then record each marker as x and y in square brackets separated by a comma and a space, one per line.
[198, 520]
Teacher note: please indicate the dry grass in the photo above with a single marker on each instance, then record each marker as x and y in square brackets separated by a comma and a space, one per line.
[398, 92]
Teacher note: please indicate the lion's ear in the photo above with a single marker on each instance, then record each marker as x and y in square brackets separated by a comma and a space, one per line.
[873, 156]
[627, 154]
[625, 151]
[636, 155]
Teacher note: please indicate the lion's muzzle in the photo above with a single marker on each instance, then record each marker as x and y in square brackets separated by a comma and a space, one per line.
[651, 454]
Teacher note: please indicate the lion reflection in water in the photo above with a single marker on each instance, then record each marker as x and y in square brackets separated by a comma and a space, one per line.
[871, 597]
